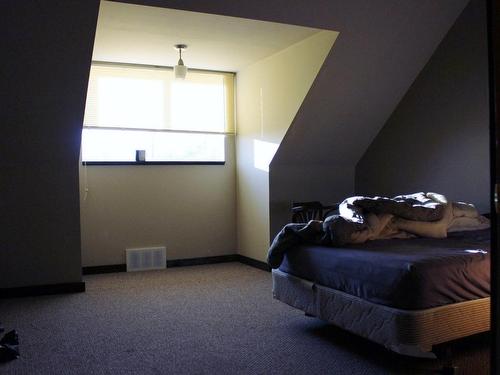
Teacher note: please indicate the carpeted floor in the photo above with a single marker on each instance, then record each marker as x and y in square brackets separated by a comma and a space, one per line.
[214, 319]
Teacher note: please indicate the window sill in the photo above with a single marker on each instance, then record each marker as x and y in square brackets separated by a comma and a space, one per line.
[104, 163]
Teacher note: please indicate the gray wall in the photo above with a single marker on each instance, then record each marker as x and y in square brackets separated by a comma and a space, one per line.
[370, 67]
[437, 139]
[46, 52]
[316, 182]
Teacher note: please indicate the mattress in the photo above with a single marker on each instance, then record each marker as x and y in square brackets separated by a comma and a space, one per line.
[408, 274]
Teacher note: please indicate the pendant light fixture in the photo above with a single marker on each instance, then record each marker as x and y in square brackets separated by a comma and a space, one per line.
[180, 69]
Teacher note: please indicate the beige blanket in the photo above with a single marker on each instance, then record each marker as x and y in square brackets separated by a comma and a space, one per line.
[454, 216]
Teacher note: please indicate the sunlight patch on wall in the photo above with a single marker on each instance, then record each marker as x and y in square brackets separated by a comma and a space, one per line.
[263, 153]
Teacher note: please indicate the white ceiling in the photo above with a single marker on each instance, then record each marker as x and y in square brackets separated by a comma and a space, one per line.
[146, 35]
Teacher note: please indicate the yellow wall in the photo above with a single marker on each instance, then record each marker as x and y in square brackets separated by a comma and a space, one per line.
[269, 94]
[200, 211]
[190, 209]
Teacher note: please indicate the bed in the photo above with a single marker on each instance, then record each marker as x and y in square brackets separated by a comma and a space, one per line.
[405, 294]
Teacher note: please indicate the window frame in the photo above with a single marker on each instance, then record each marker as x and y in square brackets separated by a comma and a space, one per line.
[230, 129]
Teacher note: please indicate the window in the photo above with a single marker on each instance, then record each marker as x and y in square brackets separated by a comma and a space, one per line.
[132, 107]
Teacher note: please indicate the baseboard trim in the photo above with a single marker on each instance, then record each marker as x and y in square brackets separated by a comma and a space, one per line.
[39, 290]
[254, 263]
[93, 270]
[201, 261]
[112, 268]
[78, 287]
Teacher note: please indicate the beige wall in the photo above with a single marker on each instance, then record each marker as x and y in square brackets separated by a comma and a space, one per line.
[269, 94]
[192, 210]
[189, 209]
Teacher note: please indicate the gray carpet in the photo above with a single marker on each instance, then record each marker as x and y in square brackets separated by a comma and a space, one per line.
[214, 319]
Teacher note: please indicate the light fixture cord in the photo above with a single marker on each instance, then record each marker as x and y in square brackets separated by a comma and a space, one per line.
[86, 181]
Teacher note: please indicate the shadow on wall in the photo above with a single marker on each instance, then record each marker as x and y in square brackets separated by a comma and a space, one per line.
[437, 139]
[324, 183]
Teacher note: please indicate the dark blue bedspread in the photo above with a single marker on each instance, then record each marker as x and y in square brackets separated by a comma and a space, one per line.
[410, 274]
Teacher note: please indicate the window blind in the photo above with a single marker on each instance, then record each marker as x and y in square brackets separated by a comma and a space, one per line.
[142, 97]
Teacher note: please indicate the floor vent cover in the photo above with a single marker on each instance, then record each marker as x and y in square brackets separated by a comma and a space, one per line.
[146, 258]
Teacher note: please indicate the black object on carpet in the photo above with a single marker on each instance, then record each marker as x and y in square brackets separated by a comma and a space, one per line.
[9, 345]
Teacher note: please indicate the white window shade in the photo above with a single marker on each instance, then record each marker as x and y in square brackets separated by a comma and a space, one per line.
[206, 94]
[150, 98]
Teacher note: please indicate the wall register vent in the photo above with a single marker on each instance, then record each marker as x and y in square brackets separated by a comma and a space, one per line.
[147, 258]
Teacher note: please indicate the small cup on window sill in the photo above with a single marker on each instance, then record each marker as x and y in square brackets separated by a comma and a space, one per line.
[140, 156]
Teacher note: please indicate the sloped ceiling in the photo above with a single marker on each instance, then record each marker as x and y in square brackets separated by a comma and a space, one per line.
[381, 48]
[146, 35]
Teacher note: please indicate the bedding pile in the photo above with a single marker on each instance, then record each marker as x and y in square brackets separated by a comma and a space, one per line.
[362, 219]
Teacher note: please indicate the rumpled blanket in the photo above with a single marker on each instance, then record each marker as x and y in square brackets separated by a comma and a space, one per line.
[362, 219]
